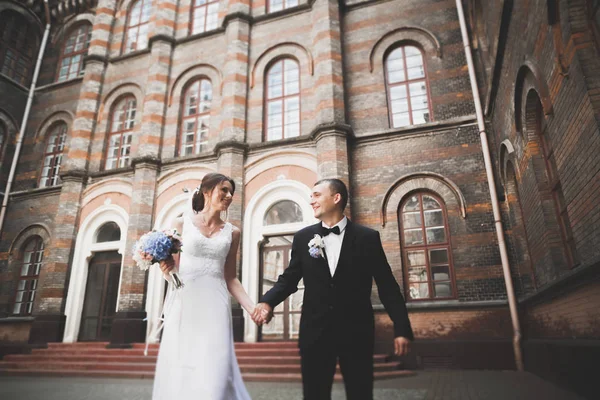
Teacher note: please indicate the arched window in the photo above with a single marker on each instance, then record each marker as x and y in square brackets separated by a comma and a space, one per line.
[75, 48]
[407, 87]
[283, 212]
[53, 153]
[109, 232]
[196, 117]
[17, 46]
[205, 15]
[122, 122]
[33, 256]
[426, 248]
[278, 5]
[137, 26]
[283, 100]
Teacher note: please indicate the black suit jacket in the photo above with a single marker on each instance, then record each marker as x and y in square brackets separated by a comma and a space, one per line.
[341, 302]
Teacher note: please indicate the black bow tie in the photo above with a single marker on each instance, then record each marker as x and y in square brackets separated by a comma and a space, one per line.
[326, 231]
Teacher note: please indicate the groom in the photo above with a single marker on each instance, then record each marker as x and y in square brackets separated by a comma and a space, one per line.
[337, 317]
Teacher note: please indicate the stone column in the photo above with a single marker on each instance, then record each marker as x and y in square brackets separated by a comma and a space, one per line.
[49, 307]
[230, 162]
[129, 325]
[235, 74]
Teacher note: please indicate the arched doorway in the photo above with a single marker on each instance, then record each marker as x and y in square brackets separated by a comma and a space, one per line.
[273, 215]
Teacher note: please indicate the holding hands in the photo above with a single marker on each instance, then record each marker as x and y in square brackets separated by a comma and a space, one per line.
[262, 314]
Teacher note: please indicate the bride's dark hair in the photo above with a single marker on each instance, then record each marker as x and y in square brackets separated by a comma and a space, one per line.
[209, 183]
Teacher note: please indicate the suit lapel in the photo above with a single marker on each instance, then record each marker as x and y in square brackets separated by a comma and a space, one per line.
[322, 261]
[347, 244]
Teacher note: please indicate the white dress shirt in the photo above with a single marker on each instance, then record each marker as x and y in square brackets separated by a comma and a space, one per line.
[333, 244]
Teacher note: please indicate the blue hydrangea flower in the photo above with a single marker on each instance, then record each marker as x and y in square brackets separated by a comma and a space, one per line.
[158, 245]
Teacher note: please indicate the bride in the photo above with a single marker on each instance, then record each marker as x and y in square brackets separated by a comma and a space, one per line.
[196, 359]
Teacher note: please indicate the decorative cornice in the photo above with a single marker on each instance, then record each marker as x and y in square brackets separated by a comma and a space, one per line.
[327, 129]
[288, 142]
[95, 58]
[161, 38]
[145, 161]
[73, 175]
[37, 192]
[59, 85]
[233, 146]
[237, 15]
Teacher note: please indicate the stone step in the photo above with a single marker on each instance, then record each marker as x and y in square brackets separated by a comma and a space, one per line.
[149, 367]
[248, 377]
[270, 360]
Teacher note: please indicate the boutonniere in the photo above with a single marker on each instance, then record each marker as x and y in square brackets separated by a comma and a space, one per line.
[316, 246]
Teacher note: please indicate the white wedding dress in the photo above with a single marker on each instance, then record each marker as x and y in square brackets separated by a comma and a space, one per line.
[196, 360]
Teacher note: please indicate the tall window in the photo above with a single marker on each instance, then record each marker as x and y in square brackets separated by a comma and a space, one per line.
[75, 48]
[278, 5]
[33, 255]
[55, 145]
[205, 15]
[196, 117]
[426, 248]
[408, 92]
[122, 123]
[283, 100]
[137, 26]
[17, 46]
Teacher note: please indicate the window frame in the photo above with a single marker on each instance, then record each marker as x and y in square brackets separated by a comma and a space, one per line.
[595, 28]
[282, 98]
[38, 247]
[28, 39]
[123, 100]
[3, 139]
[128, 26]
[183, 118]
[426, 248]
[54, 128]
[193, 10]
[83, 52]
[285, 6]
[406, 83]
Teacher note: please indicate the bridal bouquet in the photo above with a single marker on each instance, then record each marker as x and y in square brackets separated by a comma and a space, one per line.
[156, 246]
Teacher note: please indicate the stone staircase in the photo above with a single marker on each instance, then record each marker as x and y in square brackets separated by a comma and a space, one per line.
[267, 361]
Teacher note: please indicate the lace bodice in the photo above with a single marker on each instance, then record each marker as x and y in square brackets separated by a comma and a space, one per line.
[202, 255]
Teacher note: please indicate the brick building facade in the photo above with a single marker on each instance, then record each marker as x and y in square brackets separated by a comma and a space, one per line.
[148, 96]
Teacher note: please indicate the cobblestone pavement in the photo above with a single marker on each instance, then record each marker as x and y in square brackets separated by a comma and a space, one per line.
[427, 385]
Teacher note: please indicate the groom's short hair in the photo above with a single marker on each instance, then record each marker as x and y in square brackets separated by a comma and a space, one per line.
[336, 186]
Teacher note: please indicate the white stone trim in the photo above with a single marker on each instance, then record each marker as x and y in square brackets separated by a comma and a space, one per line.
[187, 172]
[277, 158]
[255, 232]
[113, 185]
[84, 251]
[156, 282]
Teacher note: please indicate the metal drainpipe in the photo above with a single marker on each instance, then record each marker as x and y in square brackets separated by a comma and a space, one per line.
[492, 186]
[15, 160]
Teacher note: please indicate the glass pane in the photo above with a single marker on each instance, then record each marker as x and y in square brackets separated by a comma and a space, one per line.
[442, 289]
[436, 235]
[416, 258]
[109, 232]
[417, 274]
[414, 63]
[438, 256]
[413, 237]
[273, 265]
[418, 290]
[412, 204]
[440, 273]
[434, 218]
[411, 220]
[429, 203]
[283, 212]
